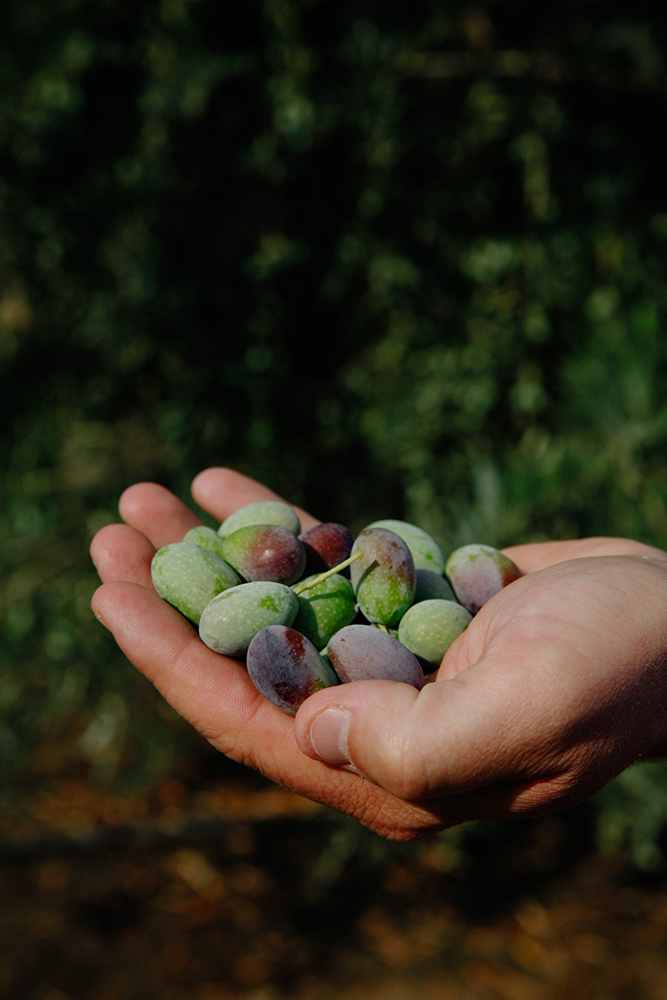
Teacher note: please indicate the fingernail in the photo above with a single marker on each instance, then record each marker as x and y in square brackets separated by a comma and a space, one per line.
[328, 736]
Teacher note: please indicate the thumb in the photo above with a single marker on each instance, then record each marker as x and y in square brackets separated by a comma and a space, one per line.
[446, 738]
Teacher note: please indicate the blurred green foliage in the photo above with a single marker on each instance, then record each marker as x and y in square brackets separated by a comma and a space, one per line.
[395, 260]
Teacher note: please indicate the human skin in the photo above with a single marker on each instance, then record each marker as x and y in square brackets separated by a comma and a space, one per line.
[558, 684]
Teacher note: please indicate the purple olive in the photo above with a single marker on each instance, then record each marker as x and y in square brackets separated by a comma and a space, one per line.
[326, 546]
[265, 552]
[286, 668]
[363, 652]
[477, 573]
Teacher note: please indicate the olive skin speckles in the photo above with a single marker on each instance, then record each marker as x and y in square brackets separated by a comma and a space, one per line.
[230, 621]
[207, 538]
[384, 577]
[325, 608]
[188, 576]
[429, 628]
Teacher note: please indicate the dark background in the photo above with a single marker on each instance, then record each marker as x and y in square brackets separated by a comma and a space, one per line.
[394, 260]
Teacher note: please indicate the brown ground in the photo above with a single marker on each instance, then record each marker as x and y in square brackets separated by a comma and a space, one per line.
[227, 887]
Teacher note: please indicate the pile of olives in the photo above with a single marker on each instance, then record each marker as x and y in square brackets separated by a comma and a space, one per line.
[310, 609]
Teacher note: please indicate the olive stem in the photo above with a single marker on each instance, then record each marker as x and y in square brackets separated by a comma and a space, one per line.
[299, 588]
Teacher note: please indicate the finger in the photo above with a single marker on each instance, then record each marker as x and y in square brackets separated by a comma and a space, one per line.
[120, 552]
[538, 555]
[156, 513]
[222, 491]
[216, 695]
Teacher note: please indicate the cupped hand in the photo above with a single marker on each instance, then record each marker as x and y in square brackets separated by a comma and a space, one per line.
[558, 684]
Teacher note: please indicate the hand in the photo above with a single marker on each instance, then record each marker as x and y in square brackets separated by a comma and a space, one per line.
[558, 684]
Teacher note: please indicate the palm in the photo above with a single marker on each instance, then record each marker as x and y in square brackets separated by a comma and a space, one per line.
[529, 726]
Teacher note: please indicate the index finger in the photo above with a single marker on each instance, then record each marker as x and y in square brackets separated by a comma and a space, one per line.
[156, 513]
[221, 491]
